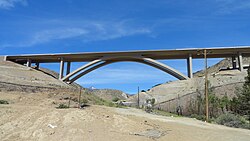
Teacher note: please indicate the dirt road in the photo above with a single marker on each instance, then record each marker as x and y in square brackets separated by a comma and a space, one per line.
[29, 118]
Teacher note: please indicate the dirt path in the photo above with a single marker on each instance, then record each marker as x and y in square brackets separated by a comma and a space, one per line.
[24, 121]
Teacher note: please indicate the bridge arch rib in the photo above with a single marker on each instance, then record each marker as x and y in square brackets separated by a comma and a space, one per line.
[87, 68]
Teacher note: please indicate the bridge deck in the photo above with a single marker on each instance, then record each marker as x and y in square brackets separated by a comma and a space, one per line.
[153, 54]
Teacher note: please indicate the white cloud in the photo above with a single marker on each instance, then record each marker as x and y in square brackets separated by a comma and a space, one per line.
[55, 34]
[82, 30]
[230, 6]
[8, 4]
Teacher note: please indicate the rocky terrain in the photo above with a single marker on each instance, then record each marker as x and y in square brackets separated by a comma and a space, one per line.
[222, 79]
[110, 94]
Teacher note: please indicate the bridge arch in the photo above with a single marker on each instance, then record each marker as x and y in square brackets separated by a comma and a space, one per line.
[93, 65]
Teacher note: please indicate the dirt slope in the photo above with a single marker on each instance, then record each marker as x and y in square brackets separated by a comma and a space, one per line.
[32, 118]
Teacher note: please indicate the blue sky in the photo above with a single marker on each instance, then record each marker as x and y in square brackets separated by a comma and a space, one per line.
[62, 26]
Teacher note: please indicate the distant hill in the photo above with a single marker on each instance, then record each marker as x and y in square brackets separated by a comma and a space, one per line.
[110, 94]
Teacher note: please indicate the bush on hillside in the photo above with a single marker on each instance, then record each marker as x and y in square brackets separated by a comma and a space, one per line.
[4, 102]
[244, 97]
[115, 99]
[62, 106]
[84, 101]
[199, 117]
[232, 120]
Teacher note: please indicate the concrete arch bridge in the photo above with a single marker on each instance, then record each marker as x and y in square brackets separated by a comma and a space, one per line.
[149, 57]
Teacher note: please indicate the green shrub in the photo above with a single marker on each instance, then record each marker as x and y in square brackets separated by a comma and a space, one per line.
[4, 102]
[115, 99]
[84, 101]
[110, 104]
[62, 106]
[199, 117]
[232, 120]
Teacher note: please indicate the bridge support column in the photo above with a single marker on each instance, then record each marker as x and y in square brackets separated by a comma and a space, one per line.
[37, 66]
[68, 68]
[61, 69]
[234, 62]
[240, 61]
[190, 66]
[28, 64]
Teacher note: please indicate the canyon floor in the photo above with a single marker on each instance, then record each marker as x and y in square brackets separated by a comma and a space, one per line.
[35, 117]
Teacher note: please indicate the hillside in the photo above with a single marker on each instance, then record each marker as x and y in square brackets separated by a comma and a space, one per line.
[32, 114]
[19, 78]
[110, 94]
[184, 93]
[225, 64]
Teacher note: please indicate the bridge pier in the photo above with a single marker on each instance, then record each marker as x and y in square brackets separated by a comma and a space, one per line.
[234, 62]
[240, 61]
[37, 66]
[61, 69]
[28, 64]
[190, 66]
[68, 68]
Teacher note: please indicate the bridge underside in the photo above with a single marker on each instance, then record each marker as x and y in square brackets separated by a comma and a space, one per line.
[97, 60]
[71, 77]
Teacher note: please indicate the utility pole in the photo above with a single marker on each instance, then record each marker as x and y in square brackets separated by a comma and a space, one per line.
[69, 102]
[79, 99]
[204, 52]
[206, 83]
[138, 97]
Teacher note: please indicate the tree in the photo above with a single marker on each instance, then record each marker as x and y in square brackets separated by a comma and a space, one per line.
[224, 103]
[200, 103]
[213, 101]
[213, 104]
[244, 97]
[234, 104]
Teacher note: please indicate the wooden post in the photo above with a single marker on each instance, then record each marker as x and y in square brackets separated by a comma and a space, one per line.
[138, 97]
[206, 84]
[79, 99]
[69, 102]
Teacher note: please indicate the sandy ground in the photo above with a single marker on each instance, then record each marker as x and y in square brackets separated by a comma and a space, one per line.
[34, 117]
